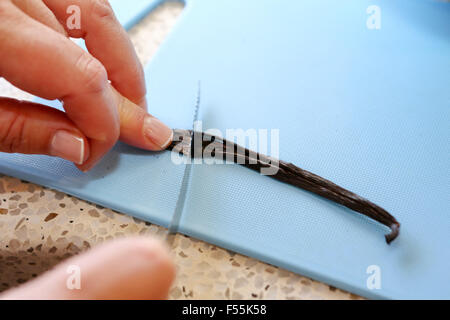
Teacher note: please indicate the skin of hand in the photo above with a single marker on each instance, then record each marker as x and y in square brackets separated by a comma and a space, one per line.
[130, 268]
[102, 91]
[103, 94]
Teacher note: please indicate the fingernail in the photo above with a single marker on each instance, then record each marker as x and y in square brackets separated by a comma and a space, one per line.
[157, 132]
[68, 146]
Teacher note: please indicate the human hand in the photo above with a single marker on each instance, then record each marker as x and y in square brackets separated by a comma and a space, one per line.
[131, 268]
[36, 55]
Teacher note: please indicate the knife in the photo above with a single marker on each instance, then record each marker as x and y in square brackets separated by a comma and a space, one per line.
[182, 141]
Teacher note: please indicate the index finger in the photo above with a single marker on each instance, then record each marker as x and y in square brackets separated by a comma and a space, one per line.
[106, 40]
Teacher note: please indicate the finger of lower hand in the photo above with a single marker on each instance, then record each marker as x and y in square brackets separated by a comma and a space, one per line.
[134, 268]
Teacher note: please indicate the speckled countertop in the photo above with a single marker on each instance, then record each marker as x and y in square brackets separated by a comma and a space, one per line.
[40, 227]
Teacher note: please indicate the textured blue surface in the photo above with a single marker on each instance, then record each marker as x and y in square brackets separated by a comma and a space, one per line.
[367, 109]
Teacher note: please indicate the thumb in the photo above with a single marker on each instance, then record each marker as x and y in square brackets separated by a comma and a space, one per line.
[31, 128]
[133, 268]
[139, 129]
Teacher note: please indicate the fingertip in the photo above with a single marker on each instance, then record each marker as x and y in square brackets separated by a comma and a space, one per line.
[160, 135]
[70, 146]
[97, 150]
[141, 268]
[156, 254]
[140, 129]
[129, 268]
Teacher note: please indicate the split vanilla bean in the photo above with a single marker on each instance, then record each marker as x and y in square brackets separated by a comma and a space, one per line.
[202, 145]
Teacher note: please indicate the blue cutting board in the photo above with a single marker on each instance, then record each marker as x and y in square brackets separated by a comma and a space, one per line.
[367, 109]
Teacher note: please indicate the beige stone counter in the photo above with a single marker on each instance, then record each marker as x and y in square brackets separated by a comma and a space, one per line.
[40, 227]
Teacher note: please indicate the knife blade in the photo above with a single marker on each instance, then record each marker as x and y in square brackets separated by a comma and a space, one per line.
[187, 138]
